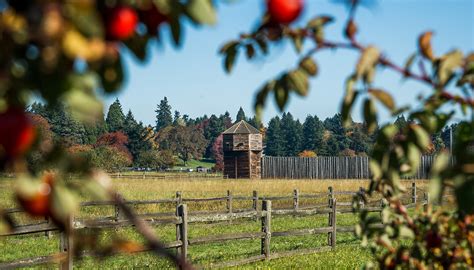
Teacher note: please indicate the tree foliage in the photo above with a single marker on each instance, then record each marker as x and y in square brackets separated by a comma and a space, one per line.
[115, 118]
[187, 142]
[163, 115]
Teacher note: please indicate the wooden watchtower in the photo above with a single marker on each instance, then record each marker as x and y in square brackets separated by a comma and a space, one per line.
[242, 151]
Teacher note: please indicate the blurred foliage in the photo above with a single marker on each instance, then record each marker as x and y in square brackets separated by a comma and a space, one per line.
[437, 239]
[65, 52]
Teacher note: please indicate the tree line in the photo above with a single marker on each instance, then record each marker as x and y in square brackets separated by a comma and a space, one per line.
[119, 140]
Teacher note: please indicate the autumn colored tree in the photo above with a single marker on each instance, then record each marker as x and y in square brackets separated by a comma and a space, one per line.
[218, 153]
[116, 140]
[187, 142]
[307, 153]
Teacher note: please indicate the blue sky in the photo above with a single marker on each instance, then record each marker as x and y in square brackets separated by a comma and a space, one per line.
[193, 79]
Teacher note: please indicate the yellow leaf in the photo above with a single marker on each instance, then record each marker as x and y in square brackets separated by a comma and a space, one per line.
[367, 61]
[384, 97]
[424, 44]
[448, 64]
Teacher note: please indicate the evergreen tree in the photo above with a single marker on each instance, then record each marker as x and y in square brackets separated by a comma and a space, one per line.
[115, 117]
[163, 115]
[274, 142]
[226, 119]
[177, 118]
[401, 122]
[292, 132]
[94, 131]
[255, 123]
[135, 132]
[240, 115]
[338, 134]
[313, 130]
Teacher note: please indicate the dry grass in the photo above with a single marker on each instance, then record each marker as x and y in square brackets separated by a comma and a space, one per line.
[150, 189]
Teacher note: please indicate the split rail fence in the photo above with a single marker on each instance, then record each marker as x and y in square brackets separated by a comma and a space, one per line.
[182, 220]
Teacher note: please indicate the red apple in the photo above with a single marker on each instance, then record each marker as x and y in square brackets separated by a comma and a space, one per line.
[284, 11]
[121, 22]
[35, 199]
[17, 133]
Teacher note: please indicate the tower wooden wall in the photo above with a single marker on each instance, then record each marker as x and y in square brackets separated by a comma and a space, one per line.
[242, 155]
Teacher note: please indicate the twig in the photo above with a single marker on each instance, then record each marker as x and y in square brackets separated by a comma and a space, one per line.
[147, 232]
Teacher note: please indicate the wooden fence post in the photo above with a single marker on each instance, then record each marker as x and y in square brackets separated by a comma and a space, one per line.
[361, 196]
[426, 202]
[229, 201]
[118, 213]
[330, 200]
[182, 230]
[333, 222]
[296, 199]
[66, 244]
[48, 234]
[255, 200]
[413, 192]
[266, 228]
[179, 200]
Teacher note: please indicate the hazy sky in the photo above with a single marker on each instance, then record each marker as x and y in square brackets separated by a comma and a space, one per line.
[193, 79]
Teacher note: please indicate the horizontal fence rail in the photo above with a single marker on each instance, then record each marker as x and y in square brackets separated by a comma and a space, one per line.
[182, 219]
[337, 167]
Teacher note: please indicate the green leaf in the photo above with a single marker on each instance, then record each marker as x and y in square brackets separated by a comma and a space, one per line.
[262, 94]
[370, 115]
[250, 51]
[297, 42]
[64, 203]
[348, 101]
[389, 131]
[263, 45]
[414, 157]
[175, 26]
[230, 58]
[375, 169]
[85, 18]
[281, 93]
[421, 137]
[406, 232]
[299, 80]
[435, 188]
[411, 59]
[384, 97]
[228, 46]
[309, 65]
[448, 64]
[319, 21]
[440, 164]
[464, 197]
[201, 11]
[111, 74]
[138, 45]
[82, 103]
[367, 61]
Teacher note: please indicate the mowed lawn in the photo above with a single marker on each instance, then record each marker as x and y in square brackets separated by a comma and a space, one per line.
[348, 253]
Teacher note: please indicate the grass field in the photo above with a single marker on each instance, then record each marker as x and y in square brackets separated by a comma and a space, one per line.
[349, 254]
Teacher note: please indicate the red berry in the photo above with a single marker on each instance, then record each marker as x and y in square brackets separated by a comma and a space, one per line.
[152, 18]
[284, 11]
[36, 203]
[121, 22]
[17, 133]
